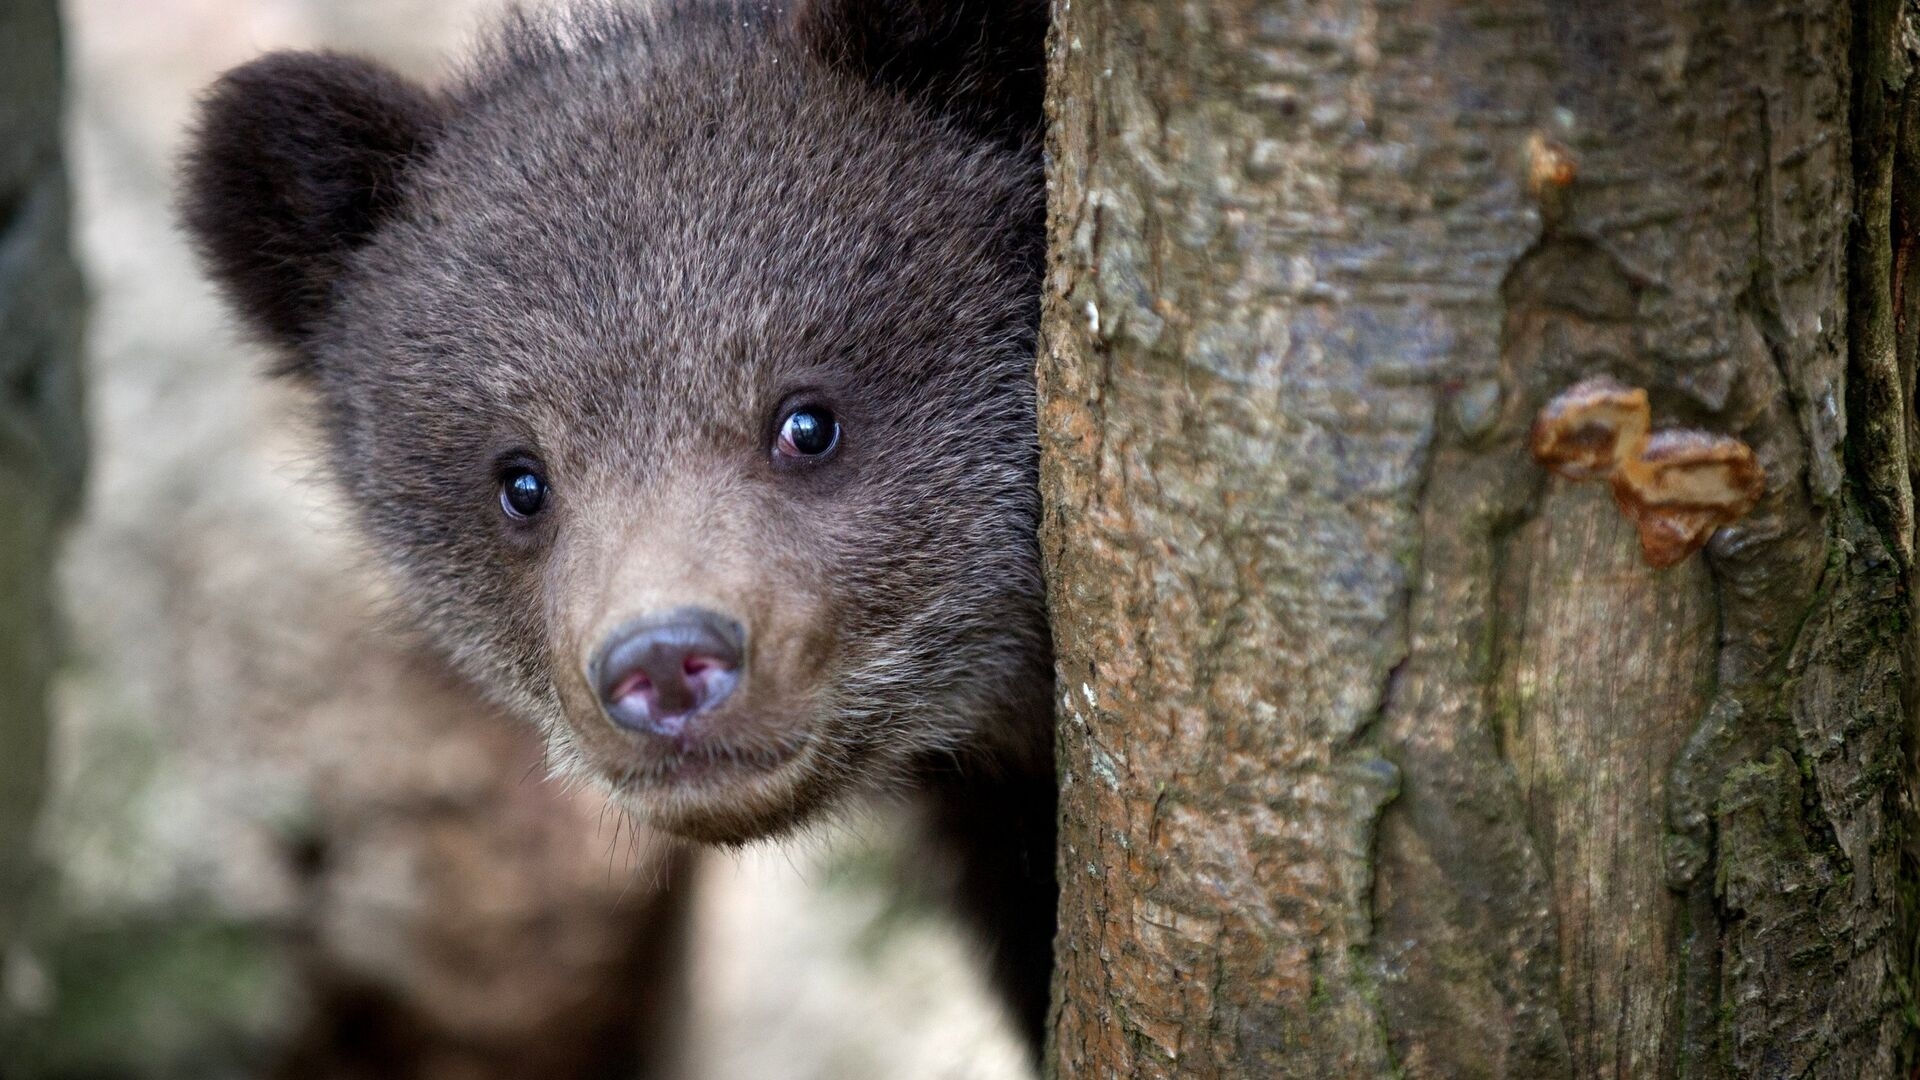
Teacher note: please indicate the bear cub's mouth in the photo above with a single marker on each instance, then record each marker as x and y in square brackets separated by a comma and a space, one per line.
[705, 787]
[692, 758]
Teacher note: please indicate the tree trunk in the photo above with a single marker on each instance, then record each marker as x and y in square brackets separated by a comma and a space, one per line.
[1383, 748]
[40, 438]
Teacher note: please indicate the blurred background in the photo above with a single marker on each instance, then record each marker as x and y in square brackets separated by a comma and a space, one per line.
[281, 840]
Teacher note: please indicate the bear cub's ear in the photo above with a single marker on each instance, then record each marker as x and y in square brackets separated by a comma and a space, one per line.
[981, 63]
[295, 159]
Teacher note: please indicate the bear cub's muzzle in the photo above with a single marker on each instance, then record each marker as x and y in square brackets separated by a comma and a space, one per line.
[657, 672]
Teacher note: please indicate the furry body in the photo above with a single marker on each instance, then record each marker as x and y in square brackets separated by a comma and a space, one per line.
[619, 252]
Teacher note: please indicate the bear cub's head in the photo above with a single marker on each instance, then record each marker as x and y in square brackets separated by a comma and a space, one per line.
[680, 361]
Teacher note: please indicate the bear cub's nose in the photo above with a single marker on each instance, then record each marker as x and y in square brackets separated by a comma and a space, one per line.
[655, 673]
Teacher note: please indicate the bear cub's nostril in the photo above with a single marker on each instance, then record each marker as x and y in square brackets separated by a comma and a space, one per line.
[655, 673]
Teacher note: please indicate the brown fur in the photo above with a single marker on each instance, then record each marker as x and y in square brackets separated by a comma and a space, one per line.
[616, 249]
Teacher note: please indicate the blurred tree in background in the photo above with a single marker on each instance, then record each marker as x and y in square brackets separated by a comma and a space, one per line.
[41, 443]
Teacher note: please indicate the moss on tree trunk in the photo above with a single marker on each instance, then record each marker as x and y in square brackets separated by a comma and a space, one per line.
[1381, 748]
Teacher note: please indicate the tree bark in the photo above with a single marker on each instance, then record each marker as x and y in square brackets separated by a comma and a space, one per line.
[1383, 750]
[40, 429]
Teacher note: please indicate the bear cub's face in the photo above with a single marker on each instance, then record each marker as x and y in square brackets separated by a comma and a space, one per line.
[681, 365]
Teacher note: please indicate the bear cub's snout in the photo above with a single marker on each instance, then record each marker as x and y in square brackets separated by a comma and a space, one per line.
[657, 673]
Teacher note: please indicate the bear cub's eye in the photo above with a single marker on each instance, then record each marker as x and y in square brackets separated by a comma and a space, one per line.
[522, 492]
[809, 431]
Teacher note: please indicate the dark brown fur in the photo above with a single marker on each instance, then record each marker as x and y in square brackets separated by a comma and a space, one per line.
[619, 245]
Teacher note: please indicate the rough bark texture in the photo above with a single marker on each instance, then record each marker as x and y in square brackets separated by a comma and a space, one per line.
[40, 440]
[1382, 750]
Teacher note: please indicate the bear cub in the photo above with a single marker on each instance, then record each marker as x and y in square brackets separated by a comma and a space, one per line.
[679, 360]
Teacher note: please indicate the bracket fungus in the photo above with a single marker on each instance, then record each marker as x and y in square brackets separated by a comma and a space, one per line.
[1676, 485]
